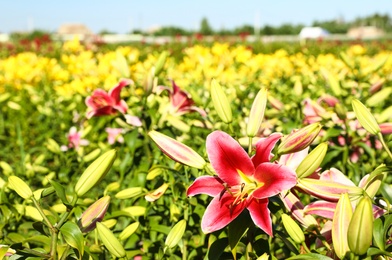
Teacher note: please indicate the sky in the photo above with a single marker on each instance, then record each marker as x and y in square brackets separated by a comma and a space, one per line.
[123, 16]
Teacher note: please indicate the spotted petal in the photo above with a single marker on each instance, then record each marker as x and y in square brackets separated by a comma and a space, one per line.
[227, 157]
[274, 178]
[220, 213]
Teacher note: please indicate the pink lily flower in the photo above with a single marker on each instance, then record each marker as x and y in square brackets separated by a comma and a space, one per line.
[75, 139]
[243, 182]
[181, 102]
[115, 134]
[107, 103]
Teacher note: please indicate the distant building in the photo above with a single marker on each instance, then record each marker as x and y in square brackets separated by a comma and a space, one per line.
[69, 31]
[313, 33]
[365, 32]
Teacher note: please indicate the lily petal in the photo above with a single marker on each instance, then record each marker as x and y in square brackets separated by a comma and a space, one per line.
[275, 177]
[206, 185]
[337, 176]
[114, 93]
[292, 160]
[227, 157]
[321, 208]
[264, 147]
[220, 213]
[98, 99]
[260, 214]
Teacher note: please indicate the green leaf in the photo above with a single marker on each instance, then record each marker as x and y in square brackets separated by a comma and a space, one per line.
[310, 256]
[378, 234]
[237, 229]
[217, 248]
[60, 191]
[73, 236]
[175, 234]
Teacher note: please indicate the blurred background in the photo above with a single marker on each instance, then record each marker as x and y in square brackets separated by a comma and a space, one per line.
[174, 20]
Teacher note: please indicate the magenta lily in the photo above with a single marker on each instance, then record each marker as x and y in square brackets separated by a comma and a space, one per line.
[181, 102]
[243, 182]
[107, 103]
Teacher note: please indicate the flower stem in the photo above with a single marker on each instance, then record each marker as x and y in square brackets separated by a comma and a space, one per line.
[306, 247]
[53, 230]
[250, 145]
[384, 145]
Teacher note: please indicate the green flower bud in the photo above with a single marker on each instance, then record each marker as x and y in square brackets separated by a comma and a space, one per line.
[312, 161]
[110, 241]
[221, 103]
[128, 231]
[20, 187]
[365, 118]
[299, 139]
[340, 223]
[93, 214]
[129, 193]
[293, 229]
[257, 113]
[175, 234]
[360, 230]
[95, 172]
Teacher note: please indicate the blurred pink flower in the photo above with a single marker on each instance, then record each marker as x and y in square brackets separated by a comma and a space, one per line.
[115, 134]
[181, 102]
[75, 139]
[133, 120]
[103, 103]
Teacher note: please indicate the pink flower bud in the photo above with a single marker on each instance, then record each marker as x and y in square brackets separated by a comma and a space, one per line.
[299, 139]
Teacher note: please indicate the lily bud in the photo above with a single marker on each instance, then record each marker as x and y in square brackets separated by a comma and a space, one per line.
[365, 118]
[129, 193]
[110, 241]
[360, 230]
[128, 231]
[299, 139]
[177, 151]
[156, 194]
[257, 112]
[340, 223]
[386, 128]
[293, 229]
[328, 190]
[95, 172]
[312, 161]
[175, 234]
[93, 214]
[160, 62]
[20, 187]
[221, 103]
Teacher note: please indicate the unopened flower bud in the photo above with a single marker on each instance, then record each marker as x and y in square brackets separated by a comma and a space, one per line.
[175, 234]
[177, 151]
[340, 223]
[110, 241]
[93, 214]
[221, 103]
[20, 187]
[365, 118]
[95, 172]
[386, 128]
[257, 112]
[312, 161]
[360, 230]
[293, 229]
[128, 231]
[299, 139]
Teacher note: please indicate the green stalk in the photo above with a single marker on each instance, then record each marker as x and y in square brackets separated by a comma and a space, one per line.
[250, 145]
[384, 145]
[53, 230]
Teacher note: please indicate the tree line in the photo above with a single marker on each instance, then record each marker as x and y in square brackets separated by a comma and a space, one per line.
[334, 26]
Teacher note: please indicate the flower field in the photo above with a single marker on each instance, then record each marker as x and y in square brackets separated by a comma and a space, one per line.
[198, 151]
